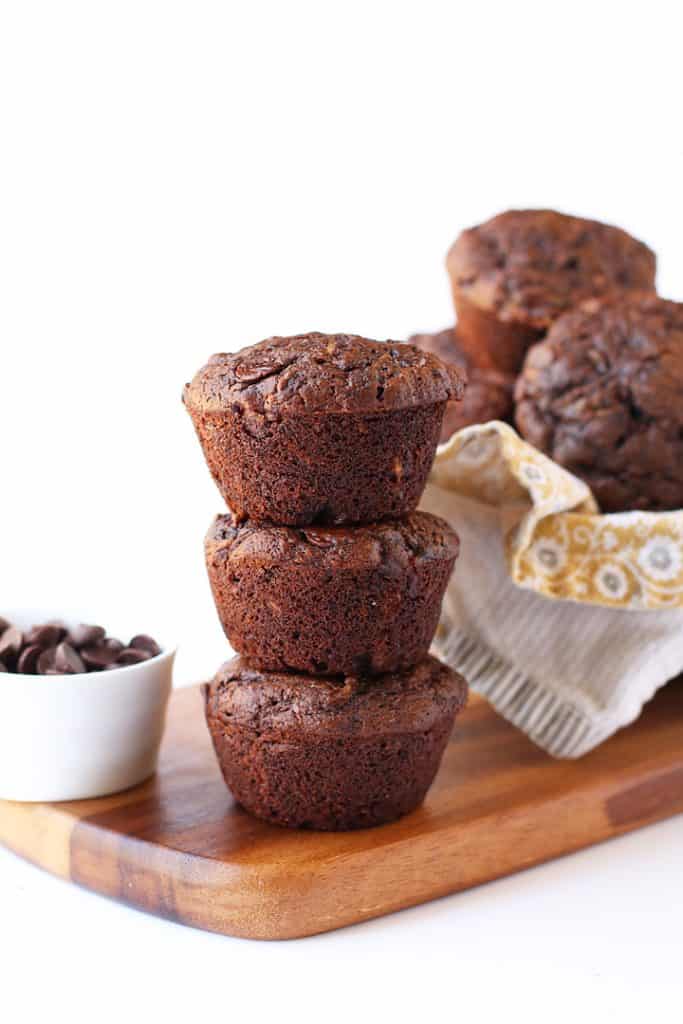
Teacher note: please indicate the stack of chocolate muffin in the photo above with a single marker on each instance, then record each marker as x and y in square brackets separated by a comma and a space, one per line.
[327, 582]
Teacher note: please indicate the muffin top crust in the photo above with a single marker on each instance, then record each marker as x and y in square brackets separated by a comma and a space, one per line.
[389, 547]
[603, 395]
[529, 266]
[279, 705]
[311, 374]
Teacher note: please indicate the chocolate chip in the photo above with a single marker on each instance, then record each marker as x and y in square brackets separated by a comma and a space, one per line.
[133, 656]
[45, 636]
[11, 643]
[28, 660]
[52, 649]
[86, 636]
[46, 660]
[68, 660]
[100, 657]
[141, 642]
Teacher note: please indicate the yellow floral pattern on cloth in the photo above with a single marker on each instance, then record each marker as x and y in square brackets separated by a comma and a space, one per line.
[556, 542]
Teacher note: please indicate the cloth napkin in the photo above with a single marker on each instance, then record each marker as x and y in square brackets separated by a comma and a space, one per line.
[566, 620]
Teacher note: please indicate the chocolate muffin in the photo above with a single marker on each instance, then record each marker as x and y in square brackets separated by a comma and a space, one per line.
[331, 600]
[488, 394]
[603, 396]
[514, 275]
[331, 753]
[321, 428]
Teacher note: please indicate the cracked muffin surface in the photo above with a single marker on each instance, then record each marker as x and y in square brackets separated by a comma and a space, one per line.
[602, 395]
[530, 266]
[331, 373]
[288, 706]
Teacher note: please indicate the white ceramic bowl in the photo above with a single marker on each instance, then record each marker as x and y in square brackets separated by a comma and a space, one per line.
[86, 735]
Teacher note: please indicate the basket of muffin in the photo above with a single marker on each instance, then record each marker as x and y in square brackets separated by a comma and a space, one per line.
[561, 332]
[563, 471]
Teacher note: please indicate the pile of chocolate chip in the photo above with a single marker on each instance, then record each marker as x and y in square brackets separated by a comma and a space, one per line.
[54, 649]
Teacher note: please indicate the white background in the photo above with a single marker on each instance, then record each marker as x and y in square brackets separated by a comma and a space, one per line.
[181, 178]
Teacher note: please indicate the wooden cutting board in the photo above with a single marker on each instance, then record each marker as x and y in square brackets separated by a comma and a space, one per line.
[178, 845]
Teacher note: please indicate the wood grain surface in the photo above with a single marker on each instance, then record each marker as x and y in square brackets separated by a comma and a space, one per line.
[180, 847]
